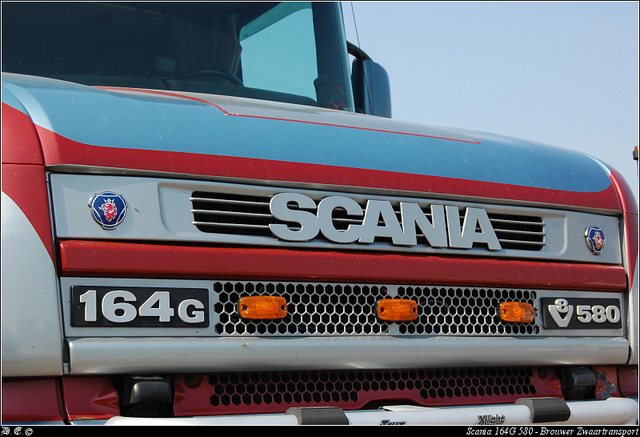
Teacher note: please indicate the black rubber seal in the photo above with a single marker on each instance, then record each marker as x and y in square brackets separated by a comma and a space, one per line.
[319, 415]
[546, 409]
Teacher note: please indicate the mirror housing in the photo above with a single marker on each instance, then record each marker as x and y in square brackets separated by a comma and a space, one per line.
[370, 82]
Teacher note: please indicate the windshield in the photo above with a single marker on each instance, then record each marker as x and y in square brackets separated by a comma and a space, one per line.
[290, 52]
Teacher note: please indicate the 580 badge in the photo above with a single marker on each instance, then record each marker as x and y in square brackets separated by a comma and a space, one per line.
[139, 307]
[581, 313]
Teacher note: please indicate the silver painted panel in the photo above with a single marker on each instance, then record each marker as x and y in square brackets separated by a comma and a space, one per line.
[32, 341]
[188, 354]
[124, 350]
[160, 210]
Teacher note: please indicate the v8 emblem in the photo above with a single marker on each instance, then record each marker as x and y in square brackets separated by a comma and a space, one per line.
[561, 312]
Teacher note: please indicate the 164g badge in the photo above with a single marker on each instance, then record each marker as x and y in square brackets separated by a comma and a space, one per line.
[581, 313]
[139, 307]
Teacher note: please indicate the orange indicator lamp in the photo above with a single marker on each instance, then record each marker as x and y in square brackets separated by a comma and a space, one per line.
[397, 310]
[262, 307]
[518, 312]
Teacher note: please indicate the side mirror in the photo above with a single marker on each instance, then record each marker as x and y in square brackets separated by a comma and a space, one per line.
[370, 81]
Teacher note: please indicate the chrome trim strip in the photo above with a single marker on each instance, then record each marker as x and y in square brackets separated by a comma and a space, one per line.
[172, 355]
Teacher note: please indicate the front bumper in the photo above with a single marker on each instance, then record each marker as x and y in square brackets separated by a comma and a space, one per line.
[540, 411]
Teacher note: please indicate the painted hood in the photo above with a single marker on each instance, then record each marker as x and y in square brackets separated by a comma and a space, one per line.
[221, 136]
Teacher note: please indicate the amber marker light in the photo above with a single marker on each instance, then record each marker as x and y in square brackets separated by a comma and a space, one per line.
[262, 307]
[397, 310]
[517, 312]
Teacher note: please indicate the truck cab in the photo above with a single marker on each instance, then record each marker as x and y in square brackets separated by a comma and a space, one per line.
[209, 216]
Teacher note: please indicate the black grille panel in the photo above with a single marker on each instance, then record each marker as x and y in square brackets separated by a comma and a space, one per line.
[272, 392]
[335, 386]
[348, 309]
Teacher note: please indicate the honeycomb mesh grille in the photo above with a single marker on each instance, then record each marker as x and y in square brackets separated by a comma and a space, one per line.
[346, 309]
[454, 310]
[332, 386]
[270, 392]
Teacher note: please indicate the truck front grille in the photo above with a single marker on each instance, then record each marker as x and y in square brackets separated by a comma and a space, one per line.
[272, 392]
[348, 309]
[240, 214]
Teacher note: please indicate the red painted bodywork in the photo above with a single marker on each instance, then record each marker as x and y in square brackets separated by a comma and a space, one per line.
[57, 400]
[20, 142]
[606, 382]
[630, 211]
[31, 400]
[62, 151]
[23, 172]
[628, 380]
[616, 381]
[101, 258]
[90, 397]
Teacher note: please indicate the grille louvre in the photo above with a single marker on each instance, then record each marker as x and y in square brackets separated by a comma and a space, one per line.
[222, 213]
[239, 214]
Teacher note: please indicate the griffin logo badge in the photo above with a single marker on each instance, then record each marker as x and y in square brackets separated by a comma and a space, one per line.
[108, 209]
[595, 239]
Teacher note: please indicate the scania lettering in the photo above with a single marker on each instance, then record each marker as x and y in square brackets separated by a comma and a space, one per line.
[435, 233]
[209, 216]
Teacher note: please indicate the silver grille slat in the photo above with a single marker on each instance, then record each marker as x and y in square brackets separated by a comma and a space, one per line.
[521, 242]
[228, 201]
[519, 222]
[511, 231]
[229, 213]
[231, 225]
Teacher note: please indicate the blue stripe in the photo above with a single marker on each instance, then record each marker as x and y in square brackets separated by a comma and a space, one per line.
[152, 122]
